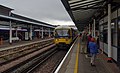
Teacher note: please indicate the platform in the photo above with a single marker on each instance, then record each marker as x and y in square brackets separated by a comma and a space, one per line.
[6, 45]
[80, 63]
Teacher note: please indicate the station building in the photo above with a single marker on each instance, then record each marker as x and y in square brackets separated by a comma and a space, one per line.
[18, 27]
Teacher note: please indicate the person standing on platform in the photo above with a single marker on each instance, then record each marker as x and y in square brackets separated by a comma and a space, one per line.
[98, 41]
[93, 51]
[84, 42]
[89, 39]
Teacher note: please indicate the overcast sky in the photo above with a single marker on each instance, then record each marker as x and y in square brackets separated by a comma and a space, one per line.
[50, 11]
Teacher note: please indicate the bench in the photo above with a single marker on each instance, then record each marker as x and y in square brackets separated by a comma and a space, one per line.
[15, 39]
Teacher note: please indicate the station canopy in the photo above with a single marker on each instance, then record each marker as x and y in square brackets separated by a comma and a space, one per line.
[83, 12]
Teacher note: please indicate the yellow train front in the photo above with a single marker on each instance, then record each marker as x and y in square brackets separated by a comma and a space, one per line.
[64, 36]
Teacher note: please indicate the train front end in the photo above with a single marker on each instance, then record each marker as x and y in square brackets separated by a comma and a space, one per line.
[63, 38]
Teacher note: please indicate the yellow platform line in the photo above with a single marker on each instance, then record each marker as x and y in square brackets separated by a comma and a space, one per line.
[77, 58]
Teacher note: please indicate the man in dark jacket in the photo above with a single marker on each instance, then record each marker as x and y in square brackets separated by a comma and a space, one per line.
[84, 43]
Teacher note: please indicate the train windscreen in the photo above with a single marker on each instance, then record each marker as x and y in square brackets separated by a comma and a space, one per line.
[62, 33]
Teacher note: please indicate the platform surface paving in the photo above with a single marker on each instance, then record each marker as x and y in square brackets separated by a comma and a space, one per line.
[102, 66]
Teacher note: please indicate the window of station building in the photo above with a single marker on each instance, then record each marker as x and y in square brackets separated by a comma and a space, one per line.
[101, 28]
[101, 22]
[105, 36]
[101, 36]
[105, 33]
[119, 31]
[105, 26]
[114, 32]
[4, 34]
[101, 32]
[119, 37]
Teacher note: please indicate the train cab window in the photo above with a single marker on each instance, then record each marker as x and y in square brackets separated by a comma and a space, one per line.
[66, 32]
[58, 33]
[62, 32]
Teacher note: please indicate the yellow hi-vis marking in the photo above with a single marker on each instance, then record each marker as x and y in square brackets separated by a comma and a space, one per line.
[77, 57]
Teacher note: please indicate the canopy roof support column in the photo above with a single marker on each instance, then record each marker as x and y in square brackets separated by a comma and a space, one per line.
[39, 33]
[30, 32]
[109, 34]
[42, 32]
[10, 33]
[16, 32]
[49, 32]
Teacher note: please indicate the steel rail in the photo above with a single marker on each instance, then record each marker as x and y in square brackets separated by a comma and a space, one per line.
[40, 63]
[36, 49]
[17, 66]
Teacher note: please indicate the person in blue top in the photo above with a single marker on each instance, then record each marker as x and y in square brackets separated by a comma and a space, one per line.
[93, 51]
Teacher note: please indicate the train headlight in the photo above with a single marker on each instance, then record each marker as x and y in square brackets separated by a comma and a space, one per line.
[56, 39]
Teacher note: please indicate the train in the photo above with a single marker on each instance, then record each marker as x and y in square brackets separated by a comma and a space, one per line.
[64, 36]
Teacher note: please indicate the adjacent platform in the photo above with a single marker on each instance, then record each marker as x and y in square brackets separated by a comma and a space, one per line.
[7, 46]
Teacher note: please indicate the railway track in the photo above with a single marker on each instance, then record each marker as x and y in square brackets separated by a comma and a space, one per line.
[28, 65]
[8, 56]
[41, 60]
[50, 59]
[51, 64]
[10, 63]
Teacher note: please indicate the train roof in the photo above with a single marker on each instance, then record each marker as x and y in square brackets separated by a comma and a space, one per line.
[63, 27]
